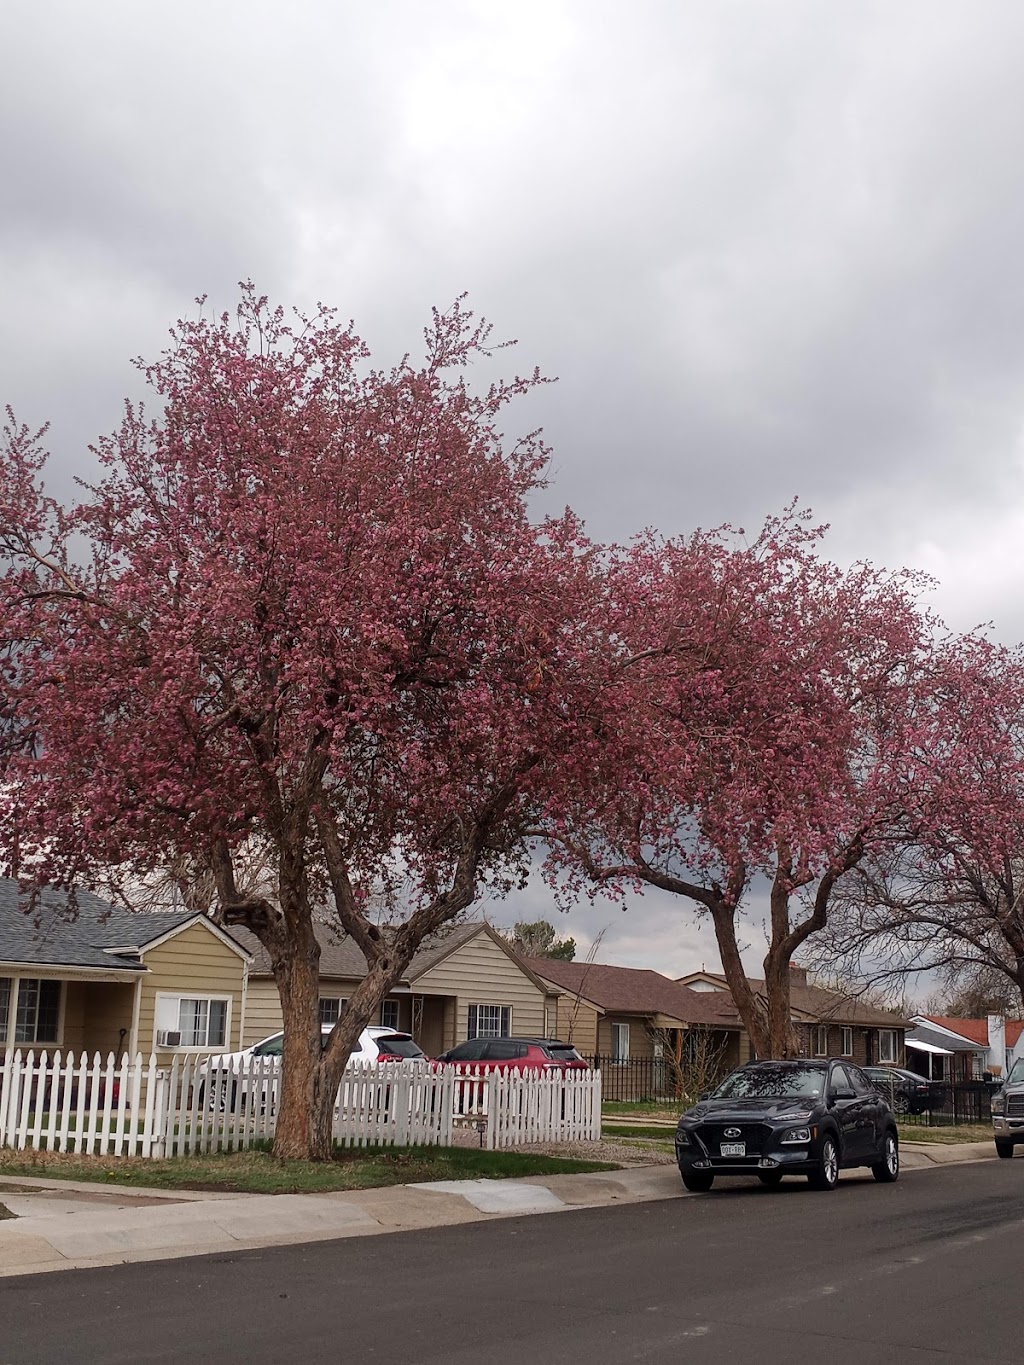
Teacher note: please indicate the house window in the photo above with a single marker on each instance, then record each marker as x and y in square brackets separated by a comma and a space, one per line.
[489, 1021]
[847, 1042]
[201, 1020]
[37, 1013]
[389, 1014]
[821, 1042]
[887, 1045]
[5, 1006]
[620, 1042]
[331, 1007]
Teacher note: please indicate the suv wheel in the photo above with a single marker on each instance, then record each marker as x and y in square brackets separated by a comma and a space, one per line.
[1004, 1149]
[698, 1182]
[826, 1177]
[888, 1169]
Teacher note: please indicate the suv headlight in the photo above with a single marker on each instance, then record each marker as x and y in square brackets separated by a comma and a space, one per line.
[682, 1138]
[999, 1105]
[798, 1136]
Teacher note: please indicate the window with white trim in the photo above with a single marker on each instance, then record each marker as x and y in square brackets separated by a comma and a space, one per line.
[620, 1042]
[389, 1014]
[847, 1049]
[821, 1042]
[200, 1020]
[489, 1021]
[37, 1012]
[887, 1045]
[5, 1005]
[331, 1007]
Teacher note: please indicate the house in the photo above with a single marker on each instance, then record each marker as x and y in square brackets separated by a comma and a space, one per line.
[629, 1013]
[827, 1023]
[465, 983]
[964, 1049]
[97, 978]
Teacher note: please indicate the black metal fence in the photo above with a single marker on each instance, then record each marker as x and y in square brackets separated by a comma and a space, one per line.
[640, 1078]
[656, 1080]
[955, 1104]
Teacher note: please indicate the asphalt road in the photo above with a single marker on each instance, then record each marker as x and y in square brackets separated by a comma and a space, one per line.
[929, 1270]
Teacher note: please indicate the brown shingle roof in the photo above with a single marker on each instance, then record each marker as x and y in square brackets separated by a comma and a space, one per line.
[636, 990]
[827, 1006]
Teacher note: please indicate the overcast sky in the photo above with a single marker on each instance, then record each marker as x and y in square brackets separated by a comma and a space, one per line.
[769, 249]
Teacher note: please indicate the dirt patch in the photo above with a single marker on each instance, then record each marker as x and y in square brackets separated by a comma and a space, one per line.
[619, 1153]
[6, 1213]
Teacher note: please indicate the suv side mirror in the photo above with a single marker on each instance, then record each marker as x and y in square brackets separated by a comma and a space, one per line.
[844, 1093]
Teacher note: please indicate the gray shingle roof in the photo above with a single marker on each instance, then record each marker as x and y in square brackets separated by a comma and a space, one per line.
[340, 957]
[53, 934]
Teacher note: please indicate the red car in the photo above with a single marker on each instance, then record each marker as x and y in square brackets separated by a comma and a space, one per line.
[516, 1054]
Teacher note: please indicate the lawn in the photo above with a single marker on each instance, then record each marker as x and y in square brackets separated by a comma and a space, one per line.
[963, 1132]
[644, 1109]
[636, 1130]
[258, 1172]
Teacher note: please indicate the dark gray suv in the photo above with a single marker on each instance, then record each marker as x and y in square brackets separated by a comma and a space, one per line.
[1008, 1111]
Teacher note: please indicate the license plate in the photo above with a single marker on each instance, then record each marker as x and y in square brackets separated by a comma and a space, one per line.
[733, 1149]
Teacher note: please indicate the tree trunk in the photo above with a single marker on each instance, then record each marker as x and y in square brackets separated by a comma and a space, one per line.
[781, 1043]
[297, 973]
[723, 916]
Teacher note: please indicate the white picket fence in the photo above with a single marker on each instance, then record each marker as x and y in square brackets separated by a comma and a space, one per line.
[135, 1107]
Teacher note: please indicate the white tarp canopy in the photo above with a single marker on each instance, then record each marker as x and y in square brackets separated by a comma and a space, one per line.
[918, 1046]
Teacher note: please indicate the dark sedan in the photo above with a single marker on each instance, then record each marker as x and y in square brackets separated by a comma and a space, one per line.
[906, 1091]
[772, 1119]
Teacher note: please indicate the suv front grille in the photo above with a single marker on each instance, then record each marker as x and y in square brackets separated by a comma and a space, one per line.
[1015, 1106]
[753, 1134]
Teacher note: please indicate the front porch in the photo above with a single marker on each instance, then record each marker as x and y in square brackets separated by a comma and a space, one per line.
[68, 1013]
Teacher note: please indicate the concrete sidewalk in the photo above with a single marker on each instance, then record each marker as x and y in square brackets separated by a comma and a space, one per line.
[62, 1225]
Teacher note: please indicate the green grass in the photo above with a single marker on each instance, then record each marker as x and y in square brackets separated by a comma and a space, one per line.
[963, 1132]
[646, 1109]
[635, 1130]
[258, 1172]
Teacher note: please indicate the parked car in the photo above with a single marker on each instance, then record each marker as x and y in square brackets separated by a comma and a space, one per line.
[906, 1091]
[1008, 1111]
[515, 1054]
[773, 1119]
[376, 1046]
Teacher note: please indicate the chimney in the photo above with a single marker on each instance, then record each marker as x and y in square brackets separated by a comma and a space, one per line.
[797, 975]
[996, 1044]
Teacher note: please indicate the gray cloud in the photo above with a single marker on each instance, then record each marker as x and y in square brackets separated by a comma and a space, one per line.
[768, 250]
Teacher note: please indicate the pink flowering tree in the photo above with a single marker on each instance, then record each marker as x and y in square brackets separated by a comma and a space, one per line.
[779, 723]
[303, 614]
[951, 900]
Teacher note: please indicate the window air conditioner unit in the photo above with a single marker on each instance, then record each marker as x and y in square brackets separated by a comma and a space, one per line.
[168, 1037]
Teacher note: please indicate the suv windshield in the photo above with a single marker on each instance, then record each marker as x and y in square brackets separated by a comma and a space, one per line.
[1016, 1076]
[772, 1082]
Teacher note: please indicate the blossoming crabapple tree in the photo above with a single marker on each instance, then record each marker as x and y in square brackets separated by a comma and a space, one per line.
[303, 612]
[781, 719]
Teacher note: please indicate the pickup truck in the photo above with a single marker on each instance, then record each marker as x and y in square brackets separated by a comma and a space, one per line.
[1008, 1111]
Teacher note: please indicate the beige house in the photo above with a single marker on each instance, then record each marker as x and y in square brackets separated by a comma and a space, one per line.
[99, 979]
[466, 984]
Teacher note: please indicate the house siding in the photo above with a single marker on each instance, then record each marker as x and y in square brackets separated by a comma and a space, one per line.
[194, 962]
[481, 973]
[575, 1021]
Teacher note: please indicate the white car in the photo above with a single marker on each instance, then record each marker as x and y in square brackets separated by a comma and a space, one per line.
[220, 1080]
[375, 1044]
